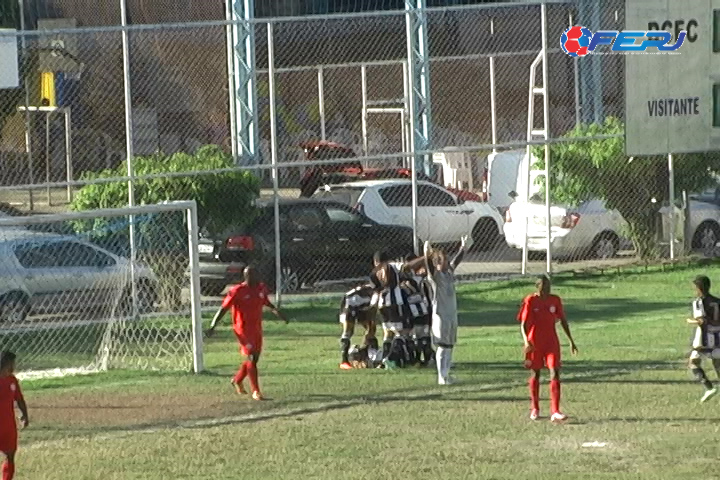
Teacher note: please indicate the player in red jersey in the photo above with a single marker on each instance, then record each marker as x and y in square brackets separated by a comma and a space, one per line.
[247, 301]
[10, 394]
[538, 315]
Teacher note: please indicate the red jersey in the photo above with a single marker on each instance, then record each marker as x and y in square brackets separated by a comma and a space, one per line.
[9, 394]
[541, 314]
[247, 305]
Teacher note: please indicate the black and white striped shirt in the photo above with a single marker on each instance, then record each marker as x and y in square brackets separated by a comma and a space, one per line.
[390, 294]
[416, 295]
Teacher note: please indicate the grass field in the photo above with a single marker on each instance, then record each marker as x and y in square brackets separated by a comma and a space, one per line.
[628, 388]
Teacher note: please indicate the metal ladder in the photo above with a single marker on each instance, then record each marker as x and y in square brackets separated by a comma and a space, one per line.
[397, 106]
[533, 134]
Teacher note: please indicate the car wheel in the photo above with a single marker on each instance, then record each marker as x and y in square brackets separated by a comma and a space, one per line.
[14, 308]
[211, 289]
[290, 279]
[606, 245]
[147, 297]
[706, 236]
[485, 235]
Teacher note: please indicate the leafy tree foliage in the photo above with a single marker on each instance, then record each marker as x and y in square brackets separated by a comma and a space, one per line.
[224, 200]
[637, 187]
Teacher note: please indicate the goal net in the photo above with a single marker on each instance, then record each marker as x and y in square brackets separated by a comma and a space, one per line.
[105, 289]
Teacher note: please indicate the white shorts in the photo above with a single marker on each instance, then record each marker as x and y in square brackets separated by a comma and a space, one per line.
[395, 327]
[709, 354]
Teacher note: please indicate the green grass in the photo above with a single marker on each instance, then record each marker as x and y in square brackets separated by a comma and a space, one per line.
[627, 388]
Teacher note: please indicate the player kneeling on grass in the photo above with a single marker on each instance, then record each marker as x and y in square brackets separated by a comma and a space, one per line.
[247, 301]
[357, 306]
[10, 394]
[364, 357]
[538, 315]
[706, 341]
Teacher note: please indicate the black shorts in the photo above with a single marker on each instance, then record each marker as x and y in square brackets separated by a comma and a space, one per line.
[394, 319]
[422, 321]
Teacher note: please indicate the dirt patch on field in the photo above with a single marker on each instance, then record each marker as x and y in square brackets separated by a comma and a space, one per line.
[68, 414]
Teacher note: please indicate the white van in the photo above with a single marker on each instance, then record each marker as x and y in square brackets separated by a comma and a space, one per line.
[507, 172]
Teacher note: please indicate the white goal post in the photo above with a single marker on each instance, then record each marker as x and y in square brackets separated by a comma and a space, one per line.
[72, 301]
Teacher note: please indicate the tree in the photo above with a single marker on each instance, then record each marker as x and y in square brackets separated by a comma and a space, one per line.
[224, 200]
[636, 187]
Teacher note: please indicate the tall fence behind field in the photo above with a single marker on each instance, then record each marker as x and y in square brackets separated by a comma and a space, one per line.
[339, 78]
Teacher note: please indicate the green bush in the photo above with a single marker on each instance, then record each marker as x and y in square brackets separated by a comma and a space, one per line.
[224, 200]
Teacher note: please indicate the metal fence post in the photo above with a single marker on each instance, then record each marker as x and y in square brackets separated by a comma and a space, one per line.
[129, 151]
[546, 126]
[273, 157]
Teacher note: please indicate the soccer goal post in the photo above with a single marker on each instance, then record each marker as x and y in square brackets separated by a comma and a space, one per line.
[77, 296]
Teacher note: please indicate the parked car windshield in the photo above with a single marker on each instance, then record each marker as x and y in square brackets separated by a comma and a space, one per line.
[345, 195]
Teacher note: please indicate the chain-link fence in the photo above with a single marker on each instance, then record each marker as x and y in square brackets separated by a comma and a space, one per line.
[338, 127]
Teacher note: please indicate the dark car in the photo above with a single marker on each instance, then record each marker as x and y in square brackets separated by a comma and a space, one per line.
[319, 240]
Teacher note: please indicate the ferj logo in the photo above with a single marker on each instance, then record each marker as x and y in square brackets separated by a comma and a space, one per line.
[579, 41]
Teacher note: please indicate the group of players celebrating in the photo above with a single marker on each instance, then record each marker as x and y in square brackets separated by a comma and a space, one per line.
[417, 304]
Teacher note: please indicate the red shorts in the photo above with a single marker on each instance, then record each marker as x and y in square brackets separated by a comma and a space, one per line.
[8, 438]
[539, 358]
[250, 342]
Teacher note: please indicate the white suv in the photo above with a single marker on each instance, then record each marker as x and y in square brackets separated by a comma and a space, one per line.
[442, 217]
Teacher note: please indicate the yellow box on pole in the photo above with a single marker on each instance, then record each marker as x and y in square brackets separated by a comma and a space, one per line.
[47, 89]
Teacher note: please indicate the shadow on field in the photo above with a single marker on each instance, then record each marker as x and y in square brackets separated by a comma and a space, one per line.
[475, 312]
[663, 420]
[468, 390]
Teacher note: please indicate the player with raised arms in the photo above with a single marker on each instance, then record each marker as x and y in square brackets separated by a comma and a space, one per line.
[247, 301]
[541, 346]
[440, 275]
[706, 341]
[10, 394]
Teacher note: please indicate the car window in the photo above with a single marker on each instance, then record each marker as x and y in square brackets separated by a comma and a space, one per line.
[79, 255]
[346, 195]
[340, 215]
[397, 196]
[36, 256]
[429, 196]
[305, 219]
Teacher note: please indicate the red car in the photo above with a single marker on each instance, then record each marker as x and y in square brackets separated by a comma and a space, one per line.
[333, 173]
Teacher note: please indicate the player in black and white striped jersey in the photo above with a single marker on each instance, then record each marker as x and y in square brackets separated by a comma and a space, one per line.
[418, 302]
[706, 341]
[358, 306]
[386, 280]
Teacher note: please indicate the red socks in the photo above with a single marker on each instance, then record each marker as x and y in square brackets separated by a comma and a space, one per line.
[241, 374]
[534, 393]
[555, 396]
[247, 369]
[8, 470]
[253, 374]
